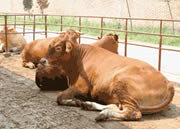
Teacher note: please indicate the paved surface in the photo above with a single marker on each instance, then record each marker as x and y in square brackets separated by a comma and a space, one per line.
[24, 106]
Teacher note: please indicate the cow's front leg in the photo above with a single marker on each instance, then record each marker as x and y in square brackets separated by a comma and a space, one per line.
[93, 106]
[28, 65]
[68, 97]
[2, 48]
[15, 50]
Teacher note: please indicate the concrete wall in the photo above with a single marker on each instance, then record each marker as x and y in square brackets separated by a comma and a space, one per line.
[110, 8]
[115, 8]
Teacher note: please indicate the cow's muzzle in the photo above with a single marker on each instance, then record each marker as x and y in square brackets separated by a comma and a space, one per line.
[44, 62]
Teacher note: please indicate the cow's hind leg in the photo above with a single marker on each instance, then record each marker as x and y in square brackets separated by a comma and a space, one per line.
[93, 106]
[112, 111]
[15, 50]
[127, 108]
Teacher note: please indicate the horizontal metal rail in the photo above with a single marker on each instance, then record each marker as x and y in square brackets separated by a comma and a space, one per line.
[116, 30]
[98, 17]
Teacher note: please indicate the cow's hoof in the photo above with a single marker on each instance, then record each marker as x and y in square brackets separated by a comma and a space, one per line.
[101, 117]
[78, 102]
[30, 65]
[7, 54]
[13, 49]
[86, 106]
[59, 100]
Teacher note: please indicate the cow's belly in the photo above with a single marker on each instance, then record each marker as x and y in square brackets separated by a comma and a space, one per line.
[151, 97]
[149, 92]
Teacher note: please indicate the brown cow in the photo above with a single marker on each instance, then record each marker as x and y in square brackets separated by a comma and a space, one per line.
[45, 79]
[108, 42]
[37, 49]
[128, 87]
[34, 51]
[16, 41]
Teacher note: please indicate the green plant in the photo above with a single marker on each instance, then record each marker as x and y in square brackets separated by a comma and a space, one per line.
[43, 4]
[28, 5]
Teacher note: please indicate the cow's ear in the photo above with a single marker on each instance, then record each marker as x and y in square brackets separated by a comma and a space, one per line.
[76, 35]
[61, 34]
[116, 37]
[68, 47]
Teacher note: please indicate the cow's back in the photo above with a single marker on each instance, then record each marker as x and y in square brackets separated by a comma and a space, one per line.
[36, 49]
[16, 40]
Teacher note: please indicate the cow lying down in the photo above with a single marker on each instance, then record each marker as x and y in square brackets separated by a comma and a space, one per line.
[47, 80]
[128, 87]
[37, 49]
[16, 41]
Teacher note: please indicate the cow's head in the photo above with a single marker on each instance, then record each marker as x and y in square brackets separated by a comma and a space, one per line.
[71, 35]
[59, 52]
[110, 36]
[51, 70]
[114, 36]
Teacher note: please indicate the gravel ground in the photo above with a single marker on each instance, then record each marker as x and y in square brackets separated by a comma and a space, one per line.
[24, 106]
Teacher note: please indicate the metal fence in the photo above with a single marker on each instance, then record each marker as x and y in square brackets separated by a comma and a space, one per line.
[101, 28]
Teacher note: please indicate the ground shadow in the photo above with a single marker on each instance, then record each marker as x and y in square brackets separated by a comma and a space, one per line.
[25, 98]
[170, 113]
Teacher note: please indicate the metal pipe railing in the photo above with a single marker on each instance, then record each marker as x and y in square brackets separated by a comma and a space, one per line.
[34, 27]
[125, 42]
[24, 25]
[101, 28]
[160, 47]
[79, 29]
[45, 26]
[6, 41]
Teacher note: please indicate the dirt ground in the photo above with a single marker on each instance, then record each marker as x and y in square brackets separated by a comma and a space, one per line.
[24, 106]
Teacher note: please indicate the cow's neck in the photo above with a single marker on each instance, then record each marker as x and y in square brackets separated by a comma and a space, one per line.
[74, 68]
[71, 69]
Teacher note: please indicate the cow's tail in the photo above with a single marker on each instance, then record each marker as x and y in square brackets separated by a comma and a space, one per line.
[164, 104]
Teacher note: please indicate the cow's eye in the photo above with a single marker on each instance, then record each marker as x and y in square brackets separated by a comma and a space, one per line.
[58, 48]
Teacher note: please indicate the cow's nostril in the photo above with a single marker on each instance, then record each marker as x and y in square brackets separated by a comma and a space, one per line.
[43, 61]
